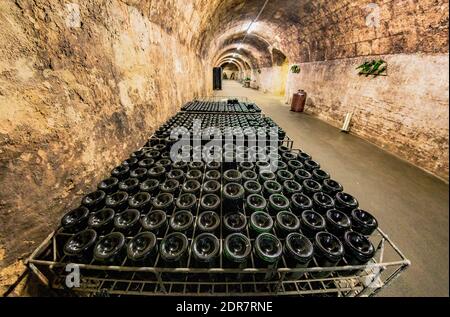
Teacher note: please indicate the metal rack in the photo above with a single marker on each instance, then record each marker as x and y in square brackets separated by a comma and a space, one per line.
[48, 264]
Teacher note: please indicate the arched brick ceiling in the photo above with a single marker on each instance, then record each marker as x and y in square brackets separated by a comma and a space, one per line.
[257, 59]
[242, 60]
[237, 61]
[253, 43]
[303, 30]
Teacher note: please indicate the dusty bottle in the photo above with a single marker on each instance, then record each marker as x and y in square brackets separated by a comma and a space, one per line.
[280, 165]
[156, 222]
[236, 253]
[311, 165]
[127, 222]
[143, 249]
[194, 175]
[232, 176]
[252, 187]
[310, 187]
[140, 201]
[294, 165]
[331, 187]
[108, 185]
[208, 221]
[271, 188]
[150, 186]
[300, 203]
[345, 202]
[322, 203]
[291, 187]
[121, 172]
[266, 176]
[130, 185]
[233, 197]
[284, 175]
[337, 222]
[187, 202]
[286, 223]
[302, 157]
[213, 175]
[176, 174]
[329, 251]
[210, 202]
[163, 201]
[146, 163]
[213, 165]
[205, 250]
[363, 222]
[260, 222]
[191, 187]
[288, 156]
[320, 175]
[180, 165]
[132, 162]
[246, 166]
[234, 222]
[139, 173]
[311, 223]
[75, 220]
[79, 247]
[298, 251]
[94, 201]
[182, 221]
[249, 176]
[171, 186]
[110, 250]
[117, 201]
[174, 252]
[301, 175]
[256, 203]
[102, 221]
[164, 162]
[211, 187]
[157, 172]
[277, 203]
[267, 251]
[196, 165]
[358, 250]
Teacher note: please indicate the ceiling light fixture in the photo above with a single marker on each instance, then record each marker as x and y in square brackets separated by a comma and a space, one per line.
[250, 27]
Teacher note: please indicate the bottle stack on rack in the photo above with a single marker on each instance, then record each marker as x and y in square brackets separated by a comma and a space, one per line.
[217, 221]
[228, 106]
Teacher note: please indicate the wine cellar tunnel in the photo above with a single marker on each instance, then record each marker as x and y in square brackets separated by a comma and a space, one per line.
[85, 83]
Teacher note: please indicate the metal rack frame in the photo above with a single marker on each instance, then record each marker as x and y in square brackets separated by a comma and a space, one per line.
[48, 265]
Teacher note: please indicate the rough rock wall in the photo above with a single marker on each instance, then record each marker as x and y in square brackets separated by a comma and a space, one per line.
[76, 97]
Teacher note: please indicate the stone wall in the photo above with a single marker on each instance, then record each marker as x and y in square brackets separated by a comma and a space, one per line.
[76, 97]
[405, 112]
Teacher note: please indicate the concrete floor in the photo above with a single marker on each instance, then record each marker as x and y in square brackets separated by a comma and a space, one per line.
[411, 206]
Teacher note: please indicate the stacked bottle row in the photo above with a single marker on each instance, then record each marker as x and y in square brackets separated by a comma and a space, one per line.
[249, 126]
[156, 212]
[228, 106]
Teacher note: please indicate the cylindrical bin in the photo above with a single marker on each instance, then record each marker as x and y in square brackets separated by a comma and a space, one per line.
[299, 101]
